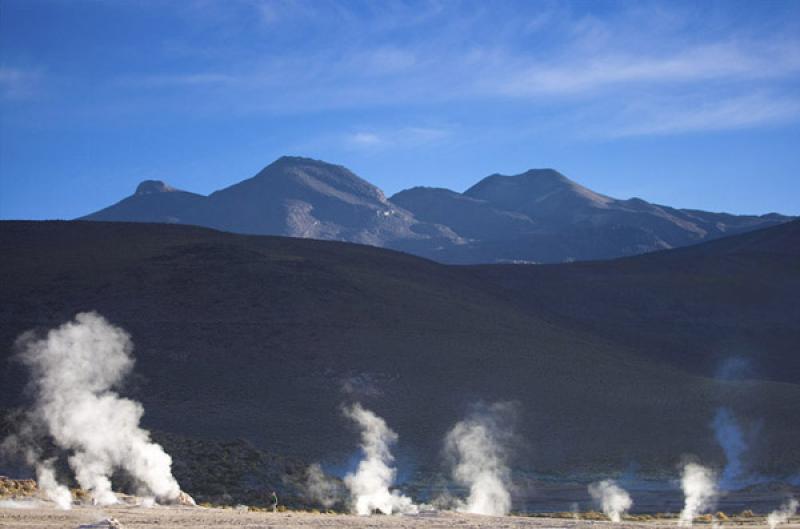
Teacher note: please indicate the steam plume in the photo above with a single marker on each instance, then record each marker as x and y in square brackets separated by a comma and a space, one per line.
[49, 485]
[699, 490]
[612, 498]
[731, 438]
[369, 485]
[782, 515]
[321, 488]
[73, 370]
[24, 444]
[477, 446]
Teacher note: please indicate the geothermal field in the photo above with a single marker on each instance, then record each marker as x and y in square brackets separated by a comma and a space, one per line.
[77, 416]
[399, 264]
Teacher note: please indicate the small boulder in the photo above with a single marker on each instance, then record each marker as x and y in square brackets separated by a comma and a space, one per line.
[106, 523]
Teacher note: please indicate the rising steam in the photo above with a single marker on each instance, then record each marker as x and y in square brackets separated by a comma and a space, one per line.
[730, 437]
[369, 485]
[321, 488]
[49, 485]
[782, 515]
[612, 498]
[699, 491]
[73, 370]
[478, 449]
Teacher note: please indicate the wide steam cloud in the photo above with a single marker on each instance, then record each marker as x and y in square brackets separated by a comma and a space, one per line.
[74, 370]
[321, 488]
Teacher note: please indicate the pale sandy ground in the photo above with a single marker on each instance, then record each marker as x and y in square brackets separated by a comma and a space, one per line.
[200, 518]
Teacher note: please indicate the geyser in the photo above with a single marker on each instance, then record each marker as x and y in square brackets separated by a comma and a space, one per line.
[478, 448]
[369, 485]
[49, 485]
[74, 369]
[699, 491]
[613, 499]
[783, 514]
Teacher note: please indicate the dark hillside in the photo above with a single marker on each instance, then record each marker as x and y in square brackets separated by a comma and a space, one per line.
[733, 301]
[263, 338]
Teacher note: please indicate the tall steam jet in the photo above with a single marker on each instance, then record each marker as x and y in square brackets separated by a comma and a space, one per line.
[699, 490]
[74, 370]
[478, 449]
[369, 484]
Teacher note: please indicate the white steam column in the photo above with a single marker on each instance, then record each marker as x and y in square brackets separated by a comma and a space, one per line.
[369, 485]
[699, 491]
[477, 447]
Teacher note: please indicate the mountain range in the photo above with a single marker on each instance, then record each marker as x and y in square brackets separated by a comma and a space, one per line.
[537, 216]
[613, 364]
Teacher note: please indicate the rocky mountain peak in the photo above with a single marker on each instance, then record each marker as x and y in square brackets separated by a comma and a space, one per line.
[148, 187]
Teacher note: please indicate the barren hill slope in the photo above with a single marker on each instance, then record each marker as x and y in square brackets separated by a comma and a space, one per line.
[264, 337]
[726, 308]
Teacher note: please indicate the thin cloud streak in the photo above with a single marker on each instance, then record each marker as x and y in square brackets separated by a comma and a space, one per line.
[720, 61]
[405, 137]
[729, 114]
[179, 80]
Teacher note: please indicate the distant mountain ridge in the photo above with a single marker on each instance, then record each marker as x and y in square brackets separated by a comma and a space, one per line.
[295, 197]
[537, 216]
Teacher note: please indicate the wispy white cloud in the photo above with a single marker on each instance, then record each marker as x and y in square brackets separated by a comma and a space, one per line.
[411, 75]
[305, 57]
[581, 59]
[708, 62]
[364, 139]
[16, 84]
[188, 79]
[674, 117]
[404, 137]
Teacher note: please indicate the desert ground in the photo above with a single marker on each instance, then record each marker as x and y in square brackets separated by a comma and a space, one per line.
[46, 517]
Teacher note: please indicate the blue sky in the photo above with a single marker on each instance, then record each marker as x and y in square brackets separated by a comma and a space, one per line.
[691, 104]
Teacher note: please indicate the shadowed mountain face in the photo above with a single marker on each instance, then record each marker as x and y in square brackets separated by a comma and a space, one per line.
[539, 215]
[154, 201]
[612, 364]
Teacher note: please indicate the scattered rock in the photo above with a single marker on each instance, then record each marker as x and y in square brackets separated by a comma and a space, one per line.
[16, 487]
[106, 523]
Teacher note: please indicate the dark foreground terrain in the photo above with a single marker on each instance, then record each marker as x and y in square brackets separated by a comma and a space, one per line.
[615, 366]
